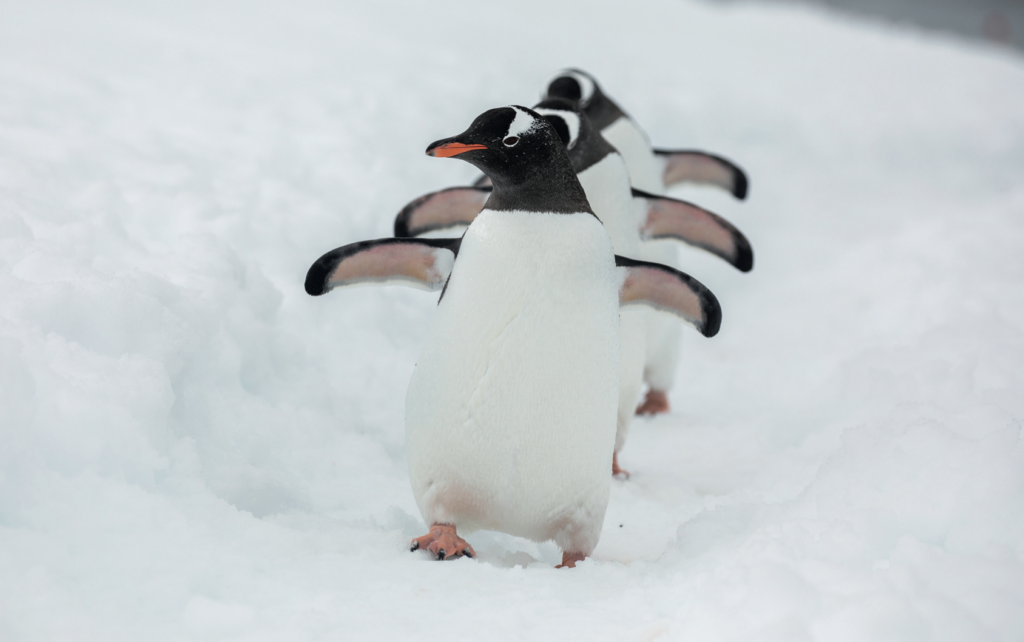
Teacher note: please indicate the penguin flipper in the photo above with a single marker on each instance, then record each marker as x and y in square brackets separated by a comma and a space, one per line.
[441, 210]
[692, 166]
[666, 289]
[420, 263]
[670, 218]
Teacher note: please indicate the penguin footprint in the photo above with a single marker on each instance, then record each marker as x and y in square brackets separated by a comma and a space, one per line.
[443, 543]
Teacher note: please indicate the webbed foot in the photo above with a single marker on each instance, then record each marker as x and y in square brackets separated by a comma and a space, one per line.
[443, 543]
[569, 559]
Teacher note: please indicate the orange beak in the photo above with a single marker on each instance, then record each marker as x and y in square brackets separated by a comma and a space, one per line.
[452, 149]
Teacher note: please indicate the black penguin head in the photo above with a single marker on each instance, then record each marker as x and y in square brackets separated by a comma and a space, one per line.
[505, 143]
[524, 158]
[580, 88]
[585, 145]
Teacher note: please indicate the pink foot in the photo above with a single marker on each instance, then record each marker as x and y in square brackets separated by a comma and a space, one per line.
[616, 471]
[569, 560]
[655, 403]
[443, 543]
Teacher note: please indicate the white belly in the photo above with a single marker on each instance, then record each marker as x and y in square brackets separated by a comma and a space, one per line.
[511, 411]
[607, 186]
[664, 334]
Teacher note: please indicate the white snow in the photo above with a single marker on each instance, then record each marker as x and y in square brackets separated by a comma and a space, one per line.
[193, 448]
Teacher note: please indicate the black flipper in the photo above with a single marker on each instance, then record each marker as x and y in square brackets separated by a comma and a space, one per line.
[692, 166]
[441, 210]
[669, 290]
[420, 263]
[670, 218]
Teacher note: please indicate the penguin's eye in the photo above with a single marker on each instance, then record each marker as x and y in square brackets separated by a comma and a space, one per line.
[511, 141]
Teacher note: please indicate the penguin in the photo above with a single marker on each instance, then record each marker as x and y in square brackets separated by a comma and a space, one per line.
[605, 180]
[511, 409]
[652, 171]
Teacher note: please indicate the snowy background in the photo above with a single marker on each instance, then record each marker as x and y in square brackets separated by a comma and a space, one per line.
[191, 448]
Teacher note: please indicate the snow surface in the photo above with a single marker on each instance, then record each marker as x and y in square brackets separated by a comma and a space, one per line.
[193, 448]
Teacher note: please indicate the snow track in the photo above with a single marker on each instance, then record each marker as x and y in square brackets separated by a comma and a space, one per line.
[193, 448]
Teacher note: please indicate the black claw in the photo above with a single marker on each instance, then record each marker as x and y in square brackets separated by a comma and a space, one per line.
[467, 553]
[415, 546]
[440, 554]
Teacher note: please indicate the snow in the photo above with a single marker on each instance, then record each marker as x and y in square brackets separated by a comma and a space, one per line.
[193, 448]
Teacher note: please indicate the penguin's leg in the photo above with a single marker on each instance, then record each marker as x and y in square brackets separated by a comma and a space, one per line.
[443, 542]
[580, 528]
[660, 367]
[569, 559]
[655, 403]
[632, 354]
[616, 470]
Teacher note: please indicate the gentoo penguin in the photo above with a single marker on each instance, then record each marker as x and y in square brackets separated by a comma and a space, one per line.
[651, 170]
[510, 413]
[605, 180]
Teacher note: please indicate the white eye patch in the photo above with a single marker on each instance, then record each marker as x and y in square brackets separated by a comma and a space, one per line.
[522, 123]
[572, 121]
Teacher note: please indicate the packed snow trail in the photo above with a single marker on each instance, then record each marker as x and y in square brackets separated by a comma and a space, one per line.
[193, 448]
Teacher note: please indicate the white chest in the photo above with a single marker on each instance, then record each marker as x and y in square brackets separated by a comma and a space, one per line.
[608, 191]
[519, 365]
[644, 169]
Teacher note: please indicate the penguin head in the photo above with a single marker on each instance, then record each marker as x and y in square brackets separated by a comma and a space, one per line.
[574, 85]
[523, 156]
[507, 144]
[585, 145]
[580, 88]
